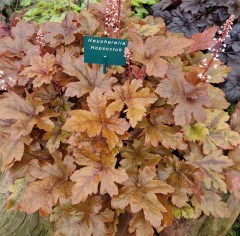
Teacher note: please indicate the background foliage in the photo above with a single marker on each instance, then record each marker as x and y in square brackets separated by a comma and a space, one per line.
[48, 10]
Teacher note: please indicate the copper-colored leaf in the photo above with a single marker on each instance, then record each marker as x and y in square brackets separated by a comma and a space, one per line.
[83, 219]
[184, 178]
[52, 185]
[19, 42]
[97, 170]
[136, 155]
[217, 72]
[140, 193]
[232, 174]
[211, 165]
[190, 99]
[204, 40]
[149, 26]
[11, 149]
[235, 118]
[140, 225]
[149, 52]
[41, 69]
[25, 113]
[213, 204]
[89, 77]
[95, 121]
[89, 24]
[134, 96]
[56, 33]
[158, 129]
[218, 98]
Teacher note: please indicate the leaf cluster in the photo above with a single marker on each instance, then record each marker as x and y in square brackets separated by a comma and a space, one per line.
[7, 8]
[4, 4]
[193, 16]
[141, 8]
[45, 10]
[146, 143]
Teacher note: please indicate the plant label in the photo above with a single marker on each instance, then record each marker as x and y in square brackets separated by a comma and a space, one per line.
[106, 51]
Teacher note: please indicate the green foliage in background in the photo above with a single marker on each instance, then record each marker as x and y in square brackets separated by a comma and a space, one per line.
[55, 10]
[7, 8]
[48, 10]
[235, 228]
[6, 3]
[141, 8]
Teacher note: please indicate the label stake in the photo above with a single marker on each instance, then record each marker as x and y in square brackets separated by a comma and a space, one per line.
[104, 64]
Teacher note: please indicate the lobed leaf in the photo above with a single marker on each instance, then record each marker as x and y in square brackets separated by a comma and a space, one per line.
[141, 195]
[204, 40]
[97, 171]
[52, 184]
[96, 122]
[191, 100]
[89, 77]
[41, 69]
[134, 96]
[149, 52]
[211, 165]
[90, 221]
[158, 129]
[220, 133]
[184, 178]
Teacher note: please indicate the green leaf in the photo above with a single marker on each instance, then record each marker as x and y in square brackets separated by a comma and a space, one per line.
[26, 3]
[196, 132]
[220, 134]
[16, 190]
[58, 18]
[137, 3]
[187, 212]
[44, 11]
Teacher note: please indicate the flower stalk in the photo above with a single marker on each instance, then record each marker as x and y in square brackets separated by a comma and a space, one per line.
[127, 54]
[40, 41]
[219, 47]
[113, 21]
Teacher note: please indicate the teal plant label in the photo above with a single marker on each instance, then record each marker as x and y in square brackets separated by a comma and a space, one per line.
[106, 51]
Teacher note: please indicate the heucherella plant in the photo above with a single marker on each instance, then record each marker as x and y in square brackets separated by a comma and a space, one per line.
[131, 149]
